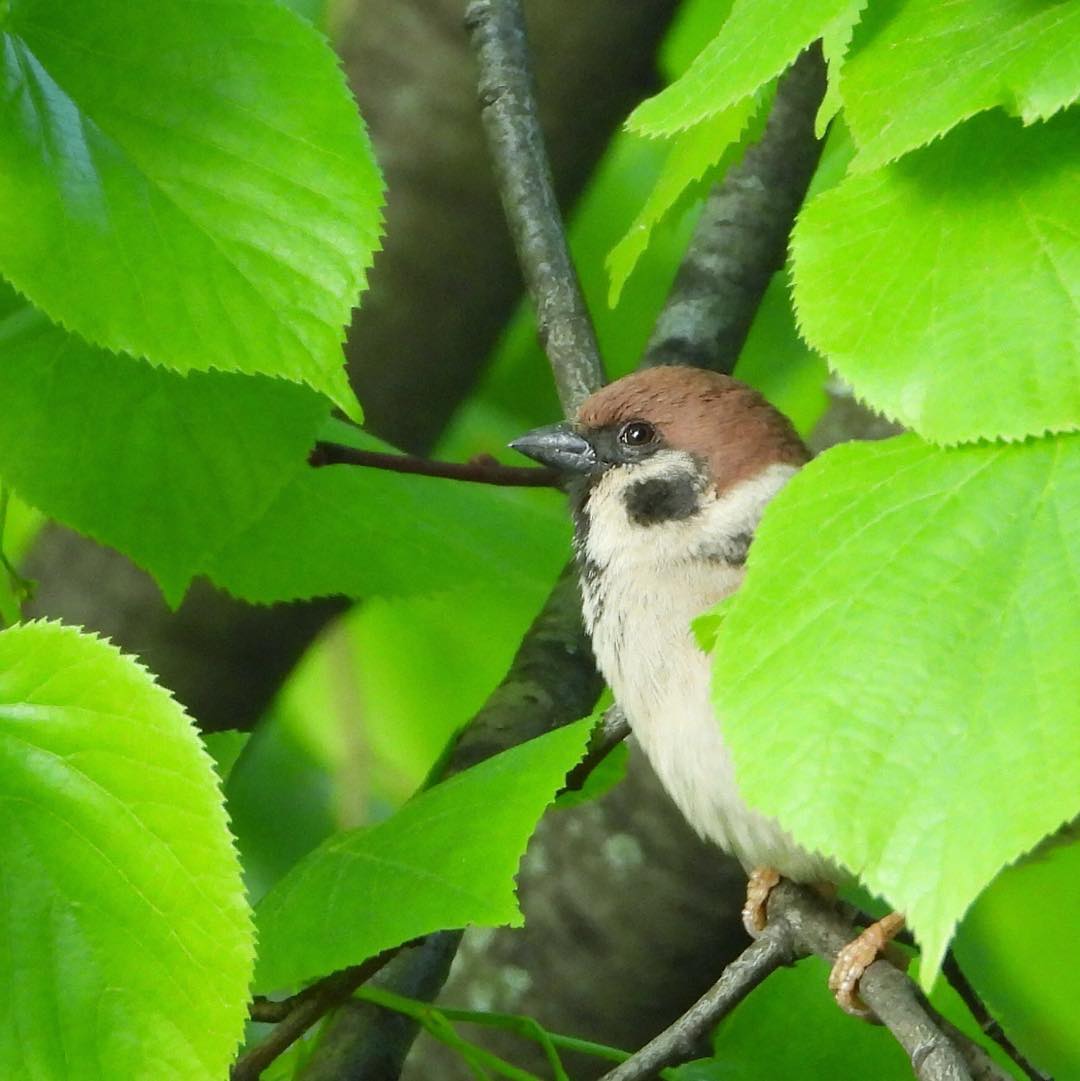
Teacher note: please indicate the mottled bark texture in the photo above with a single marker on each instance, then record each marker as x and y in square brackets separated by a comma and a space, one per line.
[441, 290]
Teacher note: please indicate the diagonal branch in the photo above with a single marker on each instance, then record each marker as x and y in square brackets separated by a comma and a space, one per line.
[802, 923]
[774, 949]
[741, 238]
[508, 108]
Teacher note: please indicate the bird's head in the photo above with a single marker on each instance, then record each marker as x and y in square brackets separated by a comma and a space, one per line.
[669, 463]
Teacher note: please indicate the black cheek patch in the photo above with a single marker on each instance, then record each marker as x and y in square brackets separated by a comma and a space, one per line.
[662, 499]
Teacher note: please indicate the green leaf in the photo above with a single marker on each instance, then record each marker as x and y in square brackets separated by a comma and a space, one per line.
[446, 859]
[352, 530]
[128, 940]
[1019, 947]
[163, 466]
[835, 42]
[186, 182]
[945, 287]
[921, 67]
[903, 654]
[706, 147]
[758, 41]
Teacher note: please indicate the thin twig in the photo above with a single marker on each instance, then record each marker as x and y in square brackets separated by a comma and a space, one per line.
[304, 1009]
[480, 470]
[774, 949]
[988, 1024]
[523, 174]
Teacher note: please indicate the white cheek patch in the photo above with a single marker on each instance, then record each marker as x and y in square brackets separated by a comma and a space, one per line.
[662, 512]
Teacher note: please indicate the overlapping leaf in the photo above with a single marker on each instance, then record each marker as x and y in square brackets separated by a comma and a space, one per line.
[128, 942]
[186, 182]
[945, 287]
[921, 67]
[757, 42]
[703, 148]
[446, 859]
[911, 671]
[163, 466]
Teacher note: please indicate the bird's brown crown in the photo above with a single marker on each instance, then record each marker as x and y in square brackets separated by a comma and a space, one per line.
[717, 418]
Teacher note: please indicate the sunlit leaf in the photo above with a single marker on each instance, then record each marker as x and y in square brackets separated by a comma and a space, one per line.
[446, 859]
[918, 68]
[705, 148]
[835, 41]
[903, 654]
[945, 287]
[757, 42]
[187, 182]
[128, 942]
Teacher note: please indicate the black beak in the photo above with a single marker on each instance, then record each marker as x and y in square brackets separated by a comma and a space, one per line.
[559, 447]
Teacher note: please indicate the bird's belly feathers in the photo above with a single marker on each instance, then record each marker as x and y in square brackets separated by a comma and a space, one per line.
[665, 695]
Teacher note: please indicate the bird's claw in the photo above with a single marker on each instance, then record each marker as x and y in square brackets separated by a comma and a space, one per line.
[855, 958]
[759, 885]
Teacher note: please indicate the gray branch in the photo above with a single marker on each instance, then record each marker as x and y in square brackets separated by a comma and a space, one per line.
[741, 238]
[508, 106]
[774, 949]
[802, 923]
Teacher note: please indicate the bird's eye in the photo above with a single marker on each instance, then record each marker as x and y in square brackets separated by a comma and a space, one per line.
[637, 433]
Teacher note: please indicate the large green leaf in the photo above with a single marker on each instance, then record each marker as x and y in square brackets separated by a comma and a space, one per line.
[757, 42]
[446, 859]
[186, 182]
[163, 466]
[128, 942]
[359, 531]
[919, 68]
[903, 655]
[945, 287]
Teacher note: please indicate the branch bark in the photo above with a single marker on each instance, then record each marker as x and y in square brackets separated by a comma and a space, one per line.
[481, 470]
[523, 174]
[741, 238]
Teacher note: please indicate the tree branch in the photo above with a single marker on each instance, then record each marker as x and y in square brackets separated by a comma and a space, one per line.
[296, 1015]
[774, 949]
[896, 1001]
[523, 174]
[741, 237]
[480, 470]
[802, 923]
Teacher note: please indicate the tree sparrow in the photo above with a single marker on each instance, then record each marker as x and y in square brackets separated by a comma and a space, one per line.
[670, 470]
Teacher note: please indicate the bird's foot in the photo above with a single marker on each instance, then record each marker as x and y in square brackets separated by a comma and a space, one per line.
[761, 882]
[857, 956]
